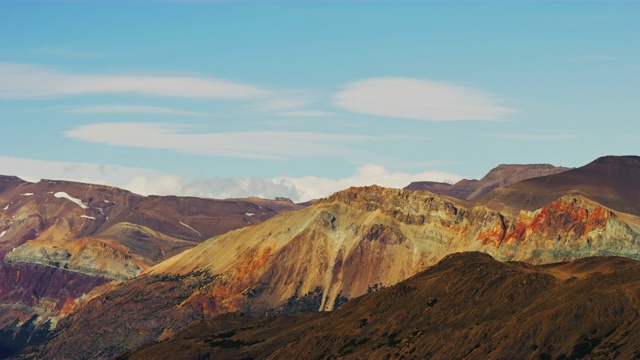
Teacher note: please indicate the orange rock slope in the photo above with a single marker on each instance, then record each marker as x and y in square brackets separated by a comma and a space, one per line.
[362, 238]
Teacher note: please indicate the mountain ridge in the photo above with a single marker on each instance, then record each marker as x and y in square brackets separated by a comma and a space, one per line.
[609, 180]
[468, 305]
[500, 176]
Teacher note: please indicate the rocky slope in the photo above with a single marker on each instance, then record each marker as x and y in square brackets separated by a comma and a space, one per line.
[59, 240]
[98, 230]
[502, 175]
[467, 306]
[342, 247]
[611, 181]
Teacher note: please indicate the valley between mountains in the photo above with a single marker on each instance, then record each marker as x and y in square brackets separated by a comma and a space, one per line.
[532, 261]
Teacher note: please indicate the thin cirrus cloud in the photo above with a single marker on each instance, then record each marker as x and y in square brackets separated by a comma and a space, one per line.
[419, 99]
[534, 137]
[307, 113]
[23, 81]
[267, 145]
[131, 109]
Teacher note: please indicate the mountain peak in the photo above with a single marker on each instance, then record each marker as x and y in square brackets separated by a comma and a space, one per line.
[373, 197]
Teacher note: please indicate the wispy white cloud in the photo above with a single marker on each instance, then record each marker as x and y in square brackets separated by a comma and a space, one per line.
[150, 182]
[307, 113]
[419, 99]
[130, 109]
[553, 137]
[252, 144]
[21, 81]
[282, 101]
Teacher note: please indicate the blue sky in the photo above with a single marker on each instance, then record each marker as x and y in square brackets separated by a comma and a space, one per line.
[300, 99]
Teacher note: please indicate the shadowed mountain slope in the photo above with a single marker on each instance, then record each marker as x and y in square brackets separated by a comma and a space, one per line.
[499, 176]
[467, 306]
[611, 181]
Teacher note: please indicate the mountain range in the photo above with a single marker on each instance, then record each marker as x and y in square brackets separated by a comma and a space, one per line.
[366, 272]
[60, 240]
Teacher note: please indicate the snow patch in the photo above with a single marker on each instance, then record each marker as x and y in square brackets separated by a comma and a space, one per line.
[26, 194]
[107, 201]
[192, 229]
[87, 217]
[6, 207]
[62, 194]
[2, 233]
[249, 214]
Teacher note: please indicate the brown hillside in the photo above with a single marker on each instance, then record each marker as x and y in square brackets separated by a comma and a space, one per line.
[467, 306]
[611, 181]
[500, 176]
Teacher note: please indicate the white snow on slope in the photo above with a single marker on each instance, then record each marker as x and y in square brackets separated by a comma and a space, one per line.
[62, 194]
[249, 214]
[2, 234]
[87, 217]
[26, 194]
[194, 230]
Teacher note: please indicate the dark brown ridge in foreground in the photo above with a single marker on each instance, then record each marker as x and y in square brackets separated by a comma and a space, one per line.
[467, 306]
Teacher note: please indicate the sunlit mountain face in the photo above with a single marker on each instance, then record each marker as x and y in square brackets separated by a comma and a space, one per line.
[319, 179]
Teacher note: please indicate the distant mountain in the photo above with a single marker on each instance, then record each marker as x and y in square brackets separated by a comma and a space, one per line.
[59, 240]
[611, 181]
[342, 247]
[500, 176]
[468, 306]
